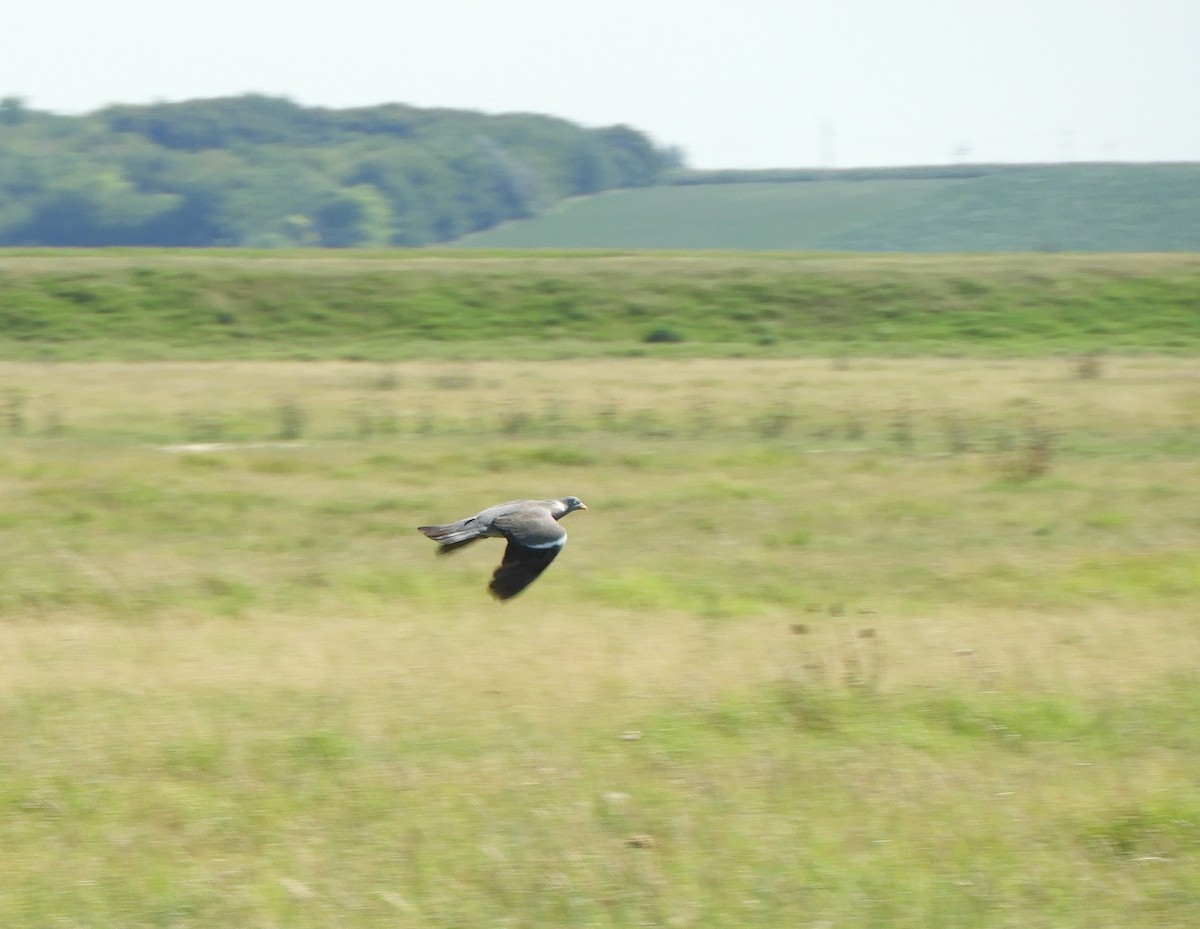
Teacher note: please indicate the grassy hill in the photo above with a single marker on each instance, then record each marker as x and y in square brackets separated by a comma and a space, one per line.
[388, 305]
[1098, 207]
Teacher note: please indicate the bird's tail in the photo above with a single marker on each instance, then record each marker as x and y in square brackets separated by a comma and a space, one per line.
[451, 536]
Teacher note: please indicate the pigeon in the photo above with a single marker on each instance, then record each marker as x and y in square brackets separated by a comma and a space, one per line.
[534, 538]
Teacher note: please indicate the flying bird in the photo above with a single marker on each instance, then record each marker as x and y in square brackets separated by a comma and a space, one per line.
[534, 538]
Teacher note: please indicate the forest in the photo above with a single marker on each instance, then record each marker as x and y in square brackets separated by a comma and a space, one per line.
[259, 171]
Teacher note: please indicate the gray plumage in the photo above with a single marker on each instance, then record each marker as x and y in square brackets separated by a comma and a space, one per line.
[534, 538]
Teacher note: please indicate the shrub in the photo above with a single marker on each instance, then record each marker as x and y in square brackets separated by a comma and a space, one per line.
[663, 334]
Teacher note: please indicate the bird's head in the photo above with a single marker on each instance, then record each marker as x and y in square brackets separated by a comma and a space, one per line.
[572, 504]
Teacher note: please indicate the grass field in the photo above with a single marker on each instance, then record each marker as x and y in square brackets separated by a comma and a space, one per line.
[1069, 207]
[840, 642]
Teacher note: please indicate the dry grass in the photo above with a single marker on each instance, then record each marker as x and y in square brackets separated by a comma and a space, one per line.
[318, 261]
[245, 397]
[556, 666]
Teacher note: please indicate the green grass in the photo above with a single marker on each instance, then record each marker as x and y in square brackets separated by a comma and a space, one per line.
[1078, 207]
[873, 657]
[743, 216]
[148, 305]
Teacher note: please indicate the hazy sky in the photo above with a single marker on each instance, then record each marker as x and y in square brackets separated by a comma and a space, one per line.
[750, 83]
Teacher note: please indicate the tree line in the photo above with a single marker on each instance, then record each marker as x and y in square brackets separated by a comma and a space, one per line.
[259, 171]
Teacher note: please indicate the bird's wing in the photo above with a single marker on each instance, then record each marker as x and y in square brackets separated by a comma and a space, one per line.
[534, 540]
[529, 523]
[521, 567]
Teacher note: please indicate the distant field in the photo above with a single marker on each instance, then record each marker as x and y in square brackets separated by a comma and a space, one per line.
[848, 641]
[738, 216]
[137, 304]
[1105, 208]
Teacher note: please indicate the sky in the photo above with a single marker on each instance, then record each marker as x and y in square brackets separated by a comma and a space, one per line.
[744, 84]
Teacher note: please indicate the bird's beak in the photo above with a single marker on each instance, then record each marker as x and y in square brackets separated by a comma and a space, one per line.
[582, 506]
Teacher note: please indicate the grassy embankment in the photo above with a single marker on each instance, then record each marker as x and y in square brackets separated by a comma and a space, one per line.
[906, 642]
[147, 305]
